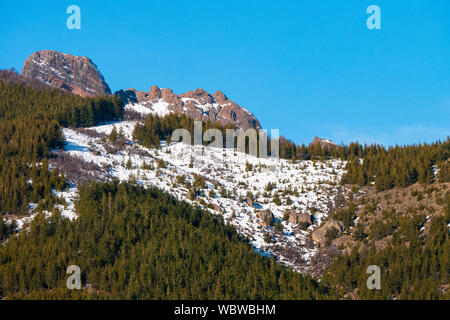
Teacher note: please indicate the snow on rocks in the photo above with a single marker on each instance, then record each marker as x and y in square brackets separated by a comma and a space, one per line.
[159, 107]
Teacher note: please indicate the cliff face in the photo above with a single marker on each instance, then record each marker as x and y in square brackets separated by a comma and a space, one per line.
[78, 75]
[197, 104]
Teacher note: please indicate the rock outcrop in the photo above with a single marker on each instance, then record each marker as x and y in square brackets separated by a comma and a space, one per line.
[250, 202]
[319, 235]
[267, 218]
[197, 104]
[298, 218]
[66, 72]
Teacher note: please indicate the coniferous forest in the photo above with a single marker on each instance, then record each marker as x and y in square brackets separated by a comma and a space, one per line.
[135, 243]
[31, 122]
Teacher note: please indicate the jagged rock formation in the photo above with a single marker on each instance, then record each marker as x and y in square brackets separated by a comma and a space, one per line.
[78, 75]
[197, 104]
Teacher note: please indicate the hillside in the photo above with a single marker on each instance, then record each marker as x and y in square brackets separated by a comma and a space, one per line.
[104, 183]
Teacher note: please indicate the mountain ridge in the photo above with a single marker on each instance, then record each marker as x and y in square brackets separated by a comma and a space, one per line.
[81, 76]
[197, 104]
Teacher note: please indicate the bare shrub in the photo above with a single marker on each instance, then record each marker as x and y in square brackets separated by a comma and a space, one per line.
[132, 115]
[76, 169]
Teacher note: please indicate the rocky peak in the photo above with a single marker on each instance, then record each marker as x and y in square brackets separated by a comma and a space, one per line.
[155, 93]
[324, 143]
[219, 97]
[198, 94]
[197, 104]
[78, 75]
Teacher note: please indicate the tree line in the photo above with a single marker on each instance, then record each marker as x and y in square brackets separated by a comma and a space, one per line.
[386, 168]
[399, 166]
[25, 102]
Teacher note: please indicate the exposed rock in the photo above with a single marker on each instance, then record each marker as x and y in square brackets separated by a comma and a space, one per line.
[217, 208]
[298, 218]
[267, 217]
[155, 93]
[70, 73]
[324, 143]
[319, 235]
[249, 202]
[199, 95]
[219, 97]
[197, 104]
[128, 96]
[80, 75]
[322, 260]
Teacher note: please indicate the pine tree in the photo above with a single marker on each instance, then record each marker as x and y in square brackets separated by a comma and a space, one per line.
[113, 136]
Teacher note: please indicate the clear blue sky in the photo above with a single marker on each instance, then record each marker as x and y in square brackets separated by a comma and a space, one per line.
[308, 67]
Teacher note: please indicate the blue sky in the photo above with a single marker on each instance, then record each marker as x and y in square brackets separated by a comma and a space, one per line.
[309, 68]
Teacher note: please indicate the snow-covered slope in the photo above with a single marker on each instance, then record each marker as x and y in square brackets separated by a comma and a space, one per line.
[230, 176]
[160, 107]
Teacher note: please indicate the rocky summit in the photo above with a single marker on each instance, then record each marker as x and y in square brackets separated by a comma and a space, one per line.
[197, 104]
[78, 75]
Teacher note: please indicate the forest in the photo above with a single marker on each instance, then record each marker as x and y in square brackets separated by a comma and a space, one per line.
[31, 121]
[130, 242]
[156, 128]
[399, 166]
[18, 100]
[136, 243]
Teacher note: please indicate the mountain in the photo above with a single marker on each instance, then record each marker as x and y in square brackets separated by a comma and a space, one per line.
[78, 75]
[177, 214]
[197, 104]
